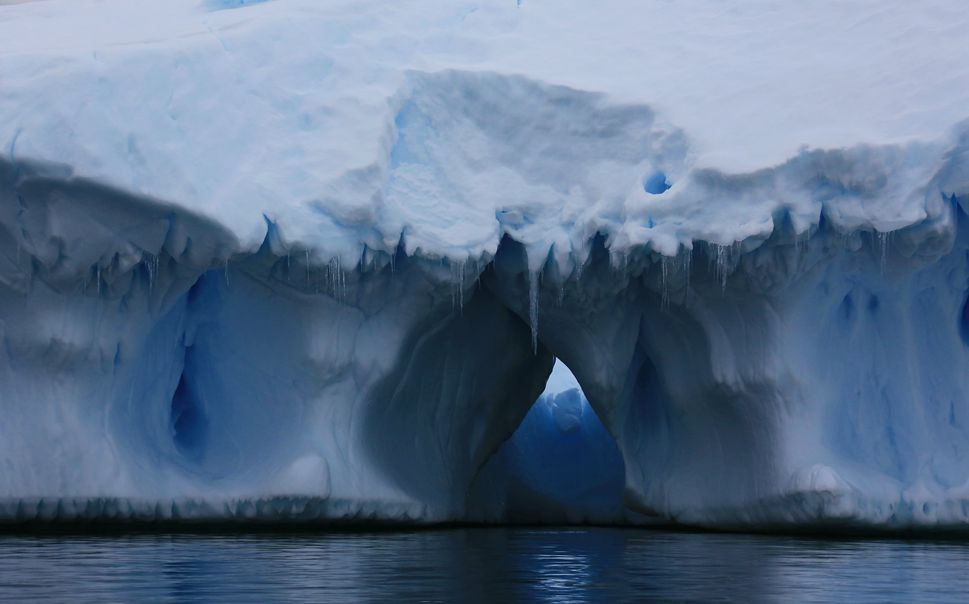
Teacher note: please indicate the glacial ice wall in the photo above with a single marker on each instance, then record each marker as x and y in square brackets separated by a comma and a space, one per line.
[191, 381]
[304, 262]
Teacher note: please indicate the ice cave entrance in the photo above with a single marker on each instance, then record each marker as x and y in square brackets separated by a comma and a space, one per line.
[561, 464]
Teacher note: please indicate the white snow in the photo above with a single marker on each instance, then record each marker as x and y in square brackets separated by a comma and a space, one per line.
[307, 260]
[340, 120]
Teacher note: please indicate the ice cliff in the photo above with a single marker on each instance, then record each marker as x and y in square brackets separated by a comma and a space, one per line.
[291, 260]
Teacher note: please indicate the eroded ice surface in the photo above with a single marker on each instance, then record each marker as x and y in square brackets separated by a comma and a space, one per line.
[301, 260]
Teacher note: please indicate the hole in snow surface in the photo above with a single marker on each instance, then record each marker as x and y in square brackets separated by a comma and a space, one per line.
[226, 4]
[656, 184]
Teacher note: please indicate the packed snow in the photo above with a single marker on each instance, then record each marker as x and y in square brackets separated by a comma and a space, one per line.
[300, 261]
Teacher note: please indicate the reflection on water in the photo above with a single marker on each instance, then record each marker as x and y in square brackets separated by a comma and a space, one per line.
[480, 564]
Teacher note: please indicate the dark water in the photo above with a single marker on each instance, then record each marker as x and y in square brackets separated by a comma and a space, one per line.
[486, 564]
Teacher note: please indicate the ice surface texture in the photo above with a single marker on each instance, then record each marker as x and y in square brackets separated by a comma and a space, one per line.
[302, 261]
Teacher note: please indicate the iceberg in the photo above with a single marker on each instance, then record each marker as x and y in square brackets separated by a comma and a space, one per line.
[286, 261]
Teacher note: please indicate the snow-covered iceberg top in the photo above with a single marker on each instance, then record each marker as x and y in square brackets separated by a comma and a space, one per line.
[356, 126]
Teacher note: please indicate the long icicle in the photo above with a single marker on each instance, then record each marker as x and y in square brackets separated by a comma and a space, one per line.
[533, 308]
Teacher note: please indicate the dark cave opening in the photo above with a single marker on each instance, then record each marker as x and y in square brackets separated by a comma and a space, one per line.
[561, 465]
[189, 424]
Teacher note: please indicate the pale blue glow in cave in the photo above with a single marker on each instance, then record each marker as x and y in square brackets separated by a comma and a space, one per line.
[561, 464]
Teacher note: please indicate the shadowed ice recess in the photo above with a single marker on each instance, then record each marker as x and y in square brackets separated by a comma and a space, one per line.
[327, 280]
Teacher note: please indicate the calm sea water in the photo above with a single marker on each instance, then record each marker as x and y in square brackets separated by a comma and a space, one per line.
[480, 564]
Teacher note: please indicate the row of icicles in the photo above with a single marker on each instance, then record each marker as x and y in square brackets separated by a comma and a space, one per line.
[332, 279]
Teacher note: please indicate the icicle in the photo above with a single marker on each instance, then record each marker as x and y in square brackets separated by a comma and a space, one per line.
[151, 273]
[687, 268]
[288, 272]
[227, 272]
[458, 271]
[343, 281]
[335, 279]
[451, 287]
[307, 266]
[99, 279]
[723, 260]
[882, 240]
[665, 282]
[721, 266]
[533, 308]
[461, 287]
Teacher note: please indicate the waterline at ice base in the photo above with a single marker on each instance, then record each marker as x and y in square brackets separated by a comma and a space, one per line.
[301, 262]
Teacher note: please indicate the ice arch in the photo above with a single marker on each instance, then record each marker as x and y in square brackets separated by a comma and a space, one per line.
[804, 382]
[154, 370]
[560, 466]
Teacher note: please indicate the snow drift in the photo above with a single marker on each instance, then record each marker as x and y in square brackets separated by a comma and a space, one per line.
[293, 262]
